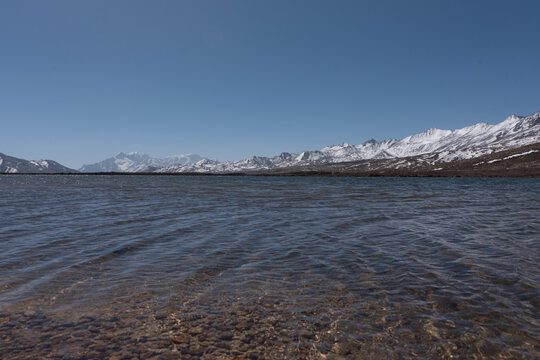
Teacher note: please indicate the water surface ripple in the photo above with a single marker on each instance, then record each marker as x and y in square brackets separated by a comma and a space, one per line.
[166, 267]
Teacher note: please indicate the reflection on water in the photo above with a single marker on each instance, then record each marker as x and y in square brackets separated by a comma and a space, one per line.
[262, 267]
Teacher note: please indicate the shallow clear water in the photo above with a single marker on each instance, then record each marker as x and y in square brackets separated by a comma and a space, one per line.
[268, 267]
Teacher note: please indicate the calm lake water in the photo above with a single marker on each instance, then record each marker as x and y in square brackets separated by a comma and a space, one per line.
[166, 267]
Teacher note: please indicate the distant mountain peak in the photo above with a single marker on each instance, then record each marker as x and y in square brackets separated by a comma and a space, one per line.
[135, 162]
[370, 142]
[10, 164]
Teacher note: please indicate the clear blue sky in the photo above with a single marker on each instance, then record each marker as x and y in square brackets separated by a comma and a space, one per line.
[83, 80]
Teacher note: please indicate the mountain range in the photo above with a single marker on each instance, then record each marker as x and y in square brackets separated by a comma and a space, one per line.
[441, 146]
[428, 149]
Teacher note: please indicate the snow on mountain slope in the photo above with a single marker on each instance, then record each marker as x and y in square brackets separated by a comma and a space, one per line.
[10, 164]
[443, 145]
[134, 162]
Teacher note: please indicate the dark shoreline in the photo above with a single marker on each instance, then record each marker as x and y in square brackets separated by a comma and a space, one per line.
[389, 174]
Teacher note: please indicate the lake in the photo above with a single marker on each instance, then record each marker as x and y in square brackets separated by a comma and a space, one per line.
[168, 267]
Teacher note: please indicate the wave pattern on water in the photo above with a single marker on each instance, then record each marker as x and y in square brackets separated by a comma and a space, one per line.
[231, 267]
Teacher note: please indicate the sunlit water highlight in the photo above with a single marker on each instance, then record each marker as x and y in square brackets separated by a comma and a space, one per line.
[159, 267]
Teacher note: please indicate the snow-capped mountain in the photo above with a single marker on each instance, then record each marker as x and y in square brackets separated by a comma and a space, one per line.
[10, 164]
[135, 162]
[443, 145]
[422, 150]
